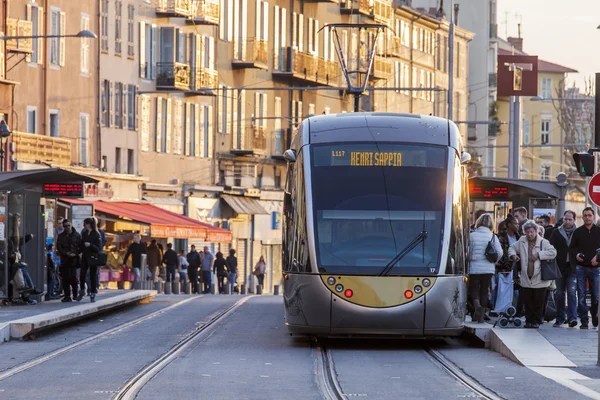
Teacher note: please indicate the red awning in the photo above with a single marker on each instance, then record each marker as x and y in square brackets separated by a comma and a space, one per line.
[163, 223]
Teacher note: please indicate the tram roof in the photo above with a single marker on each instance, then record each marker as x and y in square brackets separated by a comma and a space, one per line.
[381, 127]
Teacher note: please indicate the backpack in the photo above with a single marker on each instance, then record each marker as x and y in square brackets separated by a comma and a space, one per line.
[490, 251]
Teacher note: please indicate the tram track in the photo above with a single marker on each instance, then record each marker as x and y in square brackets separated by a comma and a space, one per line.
[327, 377]
[131, 389]
[66, 349]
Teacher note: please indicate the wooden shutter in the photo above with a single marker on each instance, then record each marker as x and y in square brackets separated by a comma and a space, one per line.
[169, 122]
[40, 56]
[125, 107]
[143, 49]
[63, 31]
[28, 14]
[159, 116]
[200, 130]
[243, 114]
[210, 131]
[186, 132]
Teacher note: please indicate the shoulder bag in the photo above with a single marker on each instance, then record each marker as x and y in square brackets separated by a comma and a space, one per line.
[550, 270]
[97, 260]
[490, 251]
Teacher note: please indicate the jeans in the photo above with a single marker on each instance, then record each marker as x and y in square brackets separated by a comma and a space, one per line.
[567, 284]
[93, 288]
[27, 278]
[206, 281]
[586, 274]
[136, 274]
[232, 278]
[193, 274]
[170, 274]
[69, 279]
[183, 276]
[261, 279]
[50, 277]
[89, 283]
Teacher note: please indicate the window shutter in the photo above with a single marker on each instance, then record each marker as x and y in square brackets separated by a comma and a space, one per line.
[136, 109]
[310, 35]
[143, 49]
[144, 115]
[243, 113]
[283, 27]
[220, 95]
[200, 131]
[159, 116]
[169, 121]
[294, 29]
[299, 111]
[40, 55]
[234, 111]
[300, 32]
[211, 54]
[28, 14]
[63, 31]
[186, 131]
[316, 39]
[258, 23]
[210, 131]
[125, 107]
[111, 114]
[177, 145]
[265, 106]
[265, 31]
[326, 44]
[229, 101]
[153, 52]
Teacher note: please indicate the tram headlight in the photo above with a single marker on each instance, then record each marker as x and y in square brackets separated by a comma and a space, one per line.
[418, 289]
[331, 280]
[408, 294]
[339, 288]
[348, 293]
[426, 282]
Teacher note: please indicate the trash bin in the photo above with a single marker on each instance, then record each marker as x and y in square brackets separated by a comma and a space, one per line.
[258, 289]
[276, 290]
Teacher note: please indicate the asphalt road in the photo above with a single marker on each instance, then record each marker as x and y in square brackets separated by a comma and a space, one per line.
[249, 355]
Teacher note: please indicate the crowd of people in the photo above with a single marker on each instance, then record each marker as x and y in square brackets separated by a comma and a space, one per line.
[520, 250]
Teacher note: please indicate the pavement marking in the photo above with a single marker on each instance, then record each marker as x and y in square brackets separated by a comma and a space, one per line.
[509, 377]
[97, 361]
[565, 377]
[242, 359]
[216, 363]
[205, 375]
[394, 377]
[491, 366]
[76, 373]
[268, 363]
[264, 376]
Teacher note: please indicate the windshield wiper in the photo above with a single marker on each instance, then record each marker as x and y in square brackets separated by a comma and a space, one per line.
[409, 247]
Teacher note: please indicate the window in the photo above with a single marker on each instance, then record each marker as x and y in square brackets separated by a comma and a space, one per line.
[57, 45]
[35, 14]
[145, 122]
[118, 100]
[178, 128]
[117, 160]
[526, 131]
[163, 125]
[130, 162]
[148, 50]
[547, 88]
[226, 20]
[311, 109]
[106, 103]
[280, 43]
[31, 119]
[546, 171]
[85, 47]
[414, 82]
[298, 31]
[457, 60]
[313, 39]
[84, 136]
[130, 30]
[545, 131]
[104, 26]
[296, 113]
[54, 123]
[118, 11]
[207, 131]
[131, 111]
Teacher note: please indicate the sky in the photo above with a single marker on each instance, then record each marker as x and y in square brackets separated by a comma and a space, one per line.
[559, 31]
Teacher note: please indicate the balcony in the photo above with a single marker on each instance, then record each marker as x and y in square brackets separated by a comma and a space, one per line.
[323, 1]
[28, 147]
[280, 143]
[365, 7]
[251, 53]
[173, 76]
[15, 27]
[252, 141]
[382, 68]
[423, 58]
[173, 8]
[383, 12]
[204, 81]
[204, 12]
[397, 49]
[493, 77]
[308, 68]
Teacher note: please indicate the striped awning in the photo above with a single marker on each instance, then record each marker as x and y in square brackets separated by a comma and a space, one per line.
[244, 205]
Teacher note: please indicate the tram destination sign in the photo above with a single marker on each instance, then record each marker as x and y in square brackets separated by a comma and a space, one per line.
[488, 192]
[70, 190]
[367, 158]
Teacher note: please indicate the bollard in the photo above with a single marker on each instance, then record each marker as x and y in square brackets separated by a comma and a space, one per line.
[158, 287]
[276, 290]
[228, 288]
[176, 288]
[167, 287]
[258, 289]
[186, 288]
[212, 288]
[243, 289]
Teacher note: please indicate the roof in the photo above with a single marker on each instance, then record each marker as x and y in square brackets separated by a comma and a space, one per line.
[505, 189]
[163, 223]
[244, 205]
[543, 66]
[12, 180]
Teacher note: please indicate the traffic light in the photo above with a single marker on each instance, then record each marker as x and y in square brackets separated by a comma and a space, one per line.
[584, 162]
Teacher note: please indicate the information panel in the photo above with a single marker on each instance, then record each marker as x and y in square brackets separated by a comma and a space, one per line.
[54, 190]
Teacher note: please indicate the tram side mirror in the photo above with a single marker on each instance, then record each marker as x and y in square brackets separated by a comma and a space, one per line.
[289, 156]
[465, 158]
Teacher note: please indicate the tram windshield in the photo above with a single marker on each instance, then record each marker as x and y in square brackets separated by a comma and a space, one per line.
[371, 200]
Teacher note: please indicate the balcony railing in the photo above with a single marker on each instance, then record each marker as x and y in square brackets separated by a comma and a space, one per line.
[365, 7]
[251, 141]
[280, 143]
[205, 11]
[175, 8]
[423, 58]
[251, 53]
[204, 79]
[383, 12]
[28, 147]
[16, 27]
[397, 49]
[315, 69]
[173, 76]
[382, 68]
[258, 139]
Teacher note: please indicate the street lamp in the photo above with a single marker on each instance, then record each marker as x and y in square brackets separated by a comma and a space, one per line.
[4, 133]
[84, 34]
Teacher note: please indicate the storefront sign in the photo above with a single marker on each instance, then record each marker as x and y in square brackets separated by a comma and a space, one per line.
[275, 220]
[164, 231]
[55, 190]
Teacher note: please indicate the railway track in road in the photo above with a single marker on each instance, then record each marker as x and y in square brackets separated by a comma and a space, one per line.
[63, 350]
[135, 384]
[327, 376]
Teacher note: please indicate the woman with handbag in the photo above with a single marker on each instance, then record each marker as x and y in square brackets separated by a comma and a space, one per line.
[92, 257]
[532, 250]
[486, 250]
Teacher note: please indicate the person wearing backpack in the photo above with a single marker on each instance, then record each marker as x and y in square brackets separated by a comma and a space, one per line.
[486, 250]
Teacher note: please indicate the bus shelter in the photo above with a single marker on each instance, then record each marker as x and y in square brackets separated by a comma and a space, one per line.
[23, 217]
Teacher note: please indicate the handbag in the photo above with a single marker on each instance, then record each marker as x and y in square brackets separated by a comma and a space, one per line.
[97, 260]
[490, 251]
[550, 270]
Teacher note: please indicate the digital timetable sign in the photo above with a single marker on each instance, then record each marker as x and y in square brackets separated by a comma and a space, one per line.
[369, 158]
[54, 190]
[489, 192]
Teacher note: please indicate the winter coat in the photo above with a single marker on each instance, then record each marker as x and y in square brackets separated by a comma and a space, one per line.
[544, 250]
[479, 241]
[153, 255]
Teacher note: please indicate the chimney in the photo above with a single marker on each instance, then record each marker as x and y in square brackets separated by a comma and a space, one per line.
[517, 43]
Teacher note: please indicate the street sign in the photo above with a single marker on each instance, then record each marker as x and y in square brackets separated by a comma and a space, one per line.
[593, 190]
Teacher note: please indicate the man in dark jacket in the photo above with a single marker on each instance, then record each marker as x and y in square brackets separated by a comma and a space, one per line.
[548, 228]
[135, 250]
[232, 266]
[561, 240]
[193, 258]
[154, 257]
[69, 245]
[170, 260]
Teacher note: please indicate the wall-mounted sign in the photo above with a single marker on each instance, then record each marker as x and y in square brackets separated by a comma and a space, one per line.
[54, 190]
[275, 220]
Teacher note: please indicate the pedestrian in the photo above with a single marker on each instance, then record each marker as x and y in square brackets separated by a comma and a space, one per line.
[232, 267]
[505, 265]
[520, 213]
[548, 228]
[220, 268]
[170, 260]
[183, 265]
[207, 267]
[531, 249]
[153, 258]
[194, 261]
[260, 269]
[50, 273]
[561, 240]
[135, 250]
[584, 243]
[91, 247]
[69, 247]
[482, 268]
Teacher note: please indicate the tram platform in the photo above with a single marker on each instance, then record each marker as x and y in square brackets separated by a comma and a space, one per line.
[568, 356]
[19, 322]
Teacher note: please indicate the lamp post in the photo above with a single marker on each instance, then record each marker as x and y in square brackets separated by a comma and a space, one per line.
[84, 34]
[4, 133]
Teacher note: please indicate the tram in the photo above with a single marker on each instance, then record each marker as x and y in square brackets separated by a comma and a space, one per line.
[375, 229]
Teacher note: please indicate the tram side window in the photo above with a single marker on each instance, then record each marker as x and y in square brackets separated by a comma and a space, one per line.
[301, 245]
[288, 215]
[465, 219]
[456, 262]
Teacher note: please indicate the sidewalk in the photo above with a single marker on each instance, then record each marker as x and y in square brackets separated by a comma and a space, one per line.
[17, 322]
